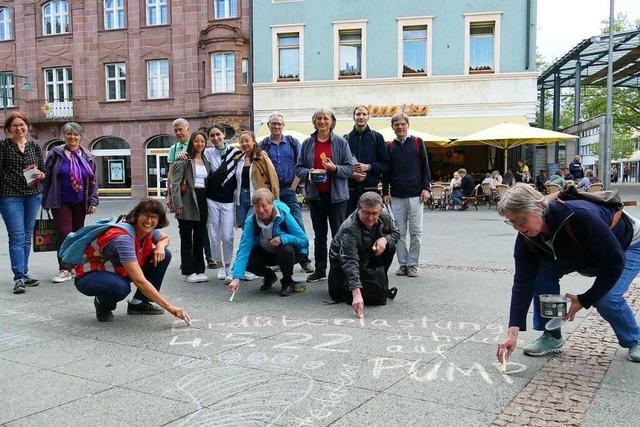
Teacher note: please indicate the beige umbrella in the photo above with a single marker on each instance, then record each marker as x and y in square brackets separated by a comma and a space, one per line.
[510, 135]
[430, 139]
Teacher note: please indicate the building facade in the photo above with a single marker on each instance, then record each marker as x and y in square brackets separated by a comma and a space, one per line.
[125, 70]
[457, 67]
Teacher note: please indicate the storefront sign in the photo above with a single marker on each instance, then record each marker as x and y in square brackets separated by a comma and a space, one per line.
[390, 110]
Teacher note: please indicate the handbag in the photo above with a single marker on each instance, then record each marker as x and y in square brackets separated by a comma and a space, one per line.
[45, 235]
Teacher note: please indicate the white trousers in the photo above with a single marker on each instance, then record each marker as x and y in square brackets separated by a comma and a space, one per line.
[220, 227]
[408, 213]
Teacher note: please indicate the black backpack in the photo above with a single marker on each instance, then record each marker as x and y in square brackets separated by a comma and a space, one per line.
[375, 286]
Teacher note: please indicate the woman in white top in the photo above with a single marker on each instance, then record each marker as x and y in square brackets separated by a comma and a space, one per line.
[190, 206]
[496, 176]
[221, 187]
[455, 181]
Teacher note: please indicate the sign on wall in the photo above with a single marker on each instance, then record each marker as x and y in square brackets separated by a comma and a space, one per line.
[390, 110]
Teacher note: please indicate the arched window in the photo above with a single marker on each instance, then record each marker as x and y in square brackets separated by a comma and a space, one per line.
[6, 27]
[55, 18]
[113, 165]
[53, 143]
[161, 141]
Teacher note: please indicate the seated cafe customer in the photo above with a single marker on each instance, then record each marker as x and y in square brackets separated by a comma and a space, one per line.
[361, 253]
[271, 236]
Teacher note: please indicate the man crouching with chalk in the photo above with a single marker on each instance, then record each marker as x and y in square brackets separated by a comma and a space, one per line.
[360, 256]
[270, 237]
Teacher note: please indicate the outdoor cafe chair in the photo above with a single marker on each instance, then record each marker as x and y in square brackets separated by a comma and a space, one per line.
[569, 183]
[490, 195]
[501, 189]
[595, 187]
[438, 200]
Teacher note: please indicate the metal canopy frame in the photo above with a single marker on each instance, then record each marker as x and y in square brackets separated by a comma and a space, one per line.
[588, 59]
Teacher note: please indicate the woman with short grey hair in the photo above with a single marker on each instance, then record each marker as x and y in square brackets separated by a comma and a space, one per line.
[564, 235]
[70, 189]
[325, 163]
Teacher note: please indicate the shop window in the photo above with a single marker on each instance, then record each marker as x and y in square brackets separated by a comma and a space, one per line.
[55, 18]
[157, 150]
[6, 27]
[115, 81]
[113, 165]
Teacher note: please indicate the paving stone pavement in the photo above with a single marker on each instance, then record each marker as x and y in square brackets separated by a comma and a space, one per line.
[424, 359]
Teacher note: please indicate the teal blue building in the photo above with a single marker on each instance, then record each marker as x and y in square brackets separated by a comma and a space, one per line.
[456, 65]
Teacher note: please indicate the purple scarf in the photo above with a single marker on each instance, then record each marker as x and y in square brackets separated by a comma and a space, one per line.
[76, 163]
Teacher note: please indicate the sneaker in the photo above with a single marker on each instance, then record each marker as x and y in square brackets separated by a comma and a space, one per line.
[412, 271]
[307, 267]
[300, 287]
[634, 353]
[316, 276]
[102, 314]
[212, 265]
[249, 276]
[203, 277]
[62, 276]
[19, 287]
[401, 271]
[143, 308]
[268, 282]
[30, 282]
[287, 289]
[222, 273]
[193, 278]
[544, 345]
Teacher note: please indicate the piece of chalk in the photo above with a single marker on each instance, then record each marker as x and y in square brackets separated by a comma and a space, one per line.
[233, 294]
[503, 365]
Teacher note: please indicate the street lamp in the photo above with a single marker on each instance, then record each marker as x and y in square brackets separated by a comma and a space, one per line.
[4, 87]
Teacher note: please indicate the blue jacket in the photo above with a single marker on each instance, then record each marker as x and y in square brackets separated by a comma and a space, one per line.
[341, 157]
[369, 147]
[285, 226]
[596, 251]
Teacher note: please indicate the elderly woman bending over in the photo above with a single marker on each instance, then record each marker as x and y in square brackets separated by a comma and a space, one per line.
[559, 237]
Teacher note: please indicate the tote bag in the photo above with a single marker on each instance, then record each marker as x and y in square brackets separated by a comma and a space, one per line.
[45, 235]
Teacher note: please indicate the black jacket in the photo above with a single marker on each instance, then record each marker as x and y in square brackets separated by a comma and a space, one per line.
[353, 244]
[576, 169]
[368, 147]
[467, 184]
[409, 173]
[596, 250]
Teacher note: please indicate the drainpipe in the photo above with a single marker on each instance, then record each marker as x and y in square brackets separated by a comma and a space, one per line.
[251, 67]
[527, 48]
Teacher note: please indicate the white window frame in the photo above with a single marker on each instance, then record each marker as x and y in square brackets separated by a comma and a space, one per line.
[352, 25]
[415, 21]
[245, 71]
[156, 6]
[116, 80]
[66, 82]
[276, 30]
[225, 82]
[482, 17]
[11, 92]
[227, 7]
[155, 78]
[56, 9]
[6, 22]
[117, 25]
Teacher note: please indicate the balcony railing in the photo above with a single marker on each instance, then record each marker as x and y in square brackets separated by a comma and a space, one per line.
[42, 110]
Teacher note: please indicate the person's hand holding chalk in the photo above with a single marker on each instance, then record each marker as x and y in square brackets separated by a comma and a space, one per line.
[233, 286]
[358, 303]
[379, 246]
[181, 314]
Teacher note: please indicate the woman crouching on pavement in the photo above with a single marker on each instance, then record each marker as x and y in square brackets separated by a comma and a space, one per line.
[115, 259]
[559, 237]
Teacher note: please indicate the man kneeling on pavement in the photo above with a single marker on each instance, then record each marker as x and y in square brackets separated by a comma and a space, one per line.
[270, 237]
[360, 255]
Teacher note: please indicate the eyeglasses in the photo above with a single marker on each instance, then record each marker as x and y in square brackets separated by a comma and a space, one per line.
[21, 125]
[370, 213]
[515, 223]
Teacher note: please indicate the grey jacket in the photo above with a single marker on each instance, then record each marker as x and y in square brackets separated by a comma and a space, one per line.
[186, 201]
[353, 244]
[340, 155]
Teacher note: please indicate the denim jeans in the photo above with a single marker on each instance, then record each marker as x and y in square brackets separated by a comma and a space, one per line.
[612, 306]
[244, 209]
[19, 215]
[110, 288]
[456, 198]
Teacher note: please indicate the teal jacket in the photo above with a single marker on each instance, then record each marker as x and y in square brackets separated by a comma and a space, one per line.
[285, 227]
